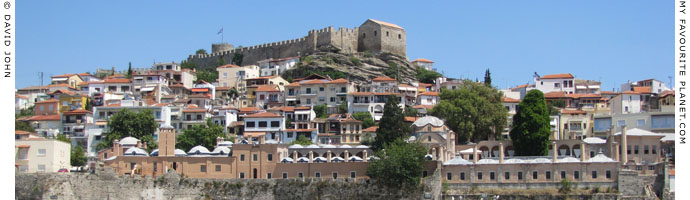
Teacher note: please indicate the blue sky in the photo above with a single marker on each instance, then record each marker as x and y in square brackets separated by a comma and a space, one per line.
[611, 41]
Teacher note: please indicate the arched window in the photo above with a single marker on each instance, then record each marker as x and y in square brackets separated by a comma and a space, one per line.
[399, 36]
[386, 33]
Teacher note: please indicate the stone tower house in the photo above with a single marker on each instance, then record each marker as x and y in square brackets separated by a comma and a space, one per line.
[377, 36]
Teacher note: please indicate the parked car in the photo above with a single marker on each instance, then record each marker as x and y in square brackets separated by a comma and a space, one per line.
[63, 170]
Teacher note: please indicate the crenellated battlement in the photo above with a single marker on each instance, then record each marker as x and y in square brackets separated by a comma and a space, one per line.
[345, 40]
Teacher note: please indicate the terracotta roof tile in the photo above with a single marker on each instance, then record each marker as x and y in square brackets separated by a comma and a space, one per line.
[263, 115]
[227, 66]
[361, 93]
[643, 90]
[370, 129]
[35, 88]
[667, 92]
[510, 100]
[222, 88]
[520, 86]
[338, 81]
[77, 112]
[63, 76]
[555, 95]
[303, 108]
[386, 23]
[20, 96]
[117, 80]
[383, 78]
[423, 60]
[44, 118]
[267, 88]
[429, 94]
[630, 92]
[573, 112]
[557, 76]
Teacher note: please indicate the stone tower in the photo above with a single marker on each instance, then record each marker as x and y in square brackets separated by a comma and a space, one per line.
[382, 37]
[221, 47]
[166, 141]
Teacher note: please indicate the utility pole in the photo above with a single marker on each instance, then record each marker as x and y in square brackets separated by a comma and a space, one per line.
[40, 74]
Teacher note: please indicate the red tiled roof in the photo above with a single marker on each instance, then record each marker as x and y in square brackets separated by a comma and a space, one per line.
[20, 96]
[63, 91]
[85, 74]
[520, 86]
[204, 96]
[667, 92]
[44, 118]
[200, 89]
[177, 85]
[23, 146]
[361, 93]
[262, 77]
[76, 112]
[249, 109]
[314, 81]
[35, 88]
[557, 76]
[510, 100]
[303, 108]
[293, 84]
[370, 129]
[555, 95]
[425, 85]
[423, 60]
[300, 130]
[263, 115]
[117, 80]
[194, 110]
[385, 93]
[113, 105]
[267, 88]
[630, 92]
[284, 108]
[383, 78]
[337, 81]
[643, 90]
[429, 94]
[227, 108]
[411, 119]
[18, 132]
[222, 88]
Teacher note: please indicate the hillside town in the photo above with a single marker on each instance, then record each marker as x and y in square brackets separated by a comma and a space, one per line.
[269, 126]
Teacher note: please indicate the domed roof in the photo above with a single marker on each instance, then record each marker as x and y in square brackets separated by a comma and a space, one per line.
[327, 146]
[568, 159]
[540, 160]
[295, 146]
[313, 146]
[154, 153]
[221, 151]
[344, 146]
[129, 141]
[362, 146]
[134, 151]
[594, 140]
[180, 152]
[600, 157]
[434, 121]
[487, 161]
[198, 150]
[167, 127]
[457, 161]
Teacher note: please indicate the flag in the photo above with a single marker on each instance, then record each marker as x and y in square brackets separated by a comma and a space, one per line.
[220, 31]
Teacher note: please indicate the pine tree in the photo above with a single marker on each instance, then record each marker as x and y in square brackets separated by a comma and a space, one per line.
[129, 70]
[487, 78]
[530, 133]
[392, 125]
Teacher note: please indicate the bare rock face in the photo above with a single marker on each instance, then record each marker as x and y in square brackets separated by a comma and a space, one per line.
[358, 67]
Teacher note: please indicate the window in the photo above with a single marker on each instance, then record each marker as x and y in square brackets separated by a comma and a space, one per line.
[646, 149]
[640, 122]
[653, 149]
[548, 175]
[621, 123]
[155, 167]
[317, 174]
[576, 175]
[639, 168]
[424, 173]
[535, 175]
[308, 101]
[374, 33]
[449, 176]
[335, 175]
[198, 117]
[217, 168]
[269, 157]
[255, 157]
[332, 99]
[308, 90]
[275, 124]
[289, 134]
[158, 114]
[519, 175]
[364, 35]
[23, 153]
[651, 167]
[41, 108]
[428, 138]
[269, 176]
[300, 175]
[594, 174]
[492, 175]
[562, 174]
[637, 149]
[322, 98]
[629, 149]
[399, 36]
[242, 175]
[556, 85]
[203, 168]
[321, 89]
[284, 175]
[263, 124]
[507, 176]
[41, 168]
[353, 174]
[41, 152]
[251, 124]
[241, 157]
[386, 33]
[462, 176]
[479, 175]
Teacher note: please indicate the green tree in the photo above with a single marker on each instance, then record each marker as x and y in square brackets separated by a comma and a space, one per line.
[474, 111]
[23, 126]
[320, 111]
[392, 124]
[301, 140]
[188, 65]
[220, 61]
[78, 156]
[25, 112]
[129, 70]
[206, 75]
[288, 123]
[487, 78]
[62, 137]
[89, 104]
[140, 125]
[201, 51]
[411, 112]
[237, 59]
[531, 129]
[233, 93]
[342, 108]
[555, 106]
[400, 165]
[200, 134]
[393, 70]
[365, 117]
[426, 76]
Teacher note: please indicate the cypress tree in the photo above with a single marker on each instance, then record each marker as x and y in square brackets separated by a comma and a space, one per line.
[392, 125]
[530, 133]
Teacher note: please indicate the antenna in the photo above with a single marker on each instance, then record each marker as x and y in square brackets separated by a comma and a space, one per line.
[40, 75]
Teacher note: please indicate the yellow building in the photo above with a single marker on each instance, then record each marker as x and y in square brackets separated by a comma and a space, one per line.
[72, 80]
[68, 100]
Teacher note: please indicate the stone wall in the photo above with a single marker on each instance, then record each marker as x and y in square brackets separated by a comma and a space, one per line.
[171, 186]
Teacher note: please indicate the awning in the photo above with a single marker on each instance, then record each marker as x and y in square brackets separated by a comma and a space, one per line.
[254, 134]
[101, 123]
[580, 87]
[23, 146]
[595, 86]
[146, 89]
[290, 99]
[60, 79]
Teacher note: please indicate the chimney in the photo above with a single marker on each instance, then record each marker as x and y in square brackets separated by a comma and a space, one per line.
[474, 154]
[116, 147]
[624, 145]
[554, 149]
[583, 153]
[500, 153]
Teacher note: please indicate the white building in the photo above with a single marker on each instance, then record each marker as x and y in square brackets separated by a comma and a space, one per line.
[20, 102]
[555, 83]
[428, 98]
[271, 67]
[626, 103]
[655, 86]
[263, 126]
[101, 114]
[235, 76]
[40, 155]
[427, 64]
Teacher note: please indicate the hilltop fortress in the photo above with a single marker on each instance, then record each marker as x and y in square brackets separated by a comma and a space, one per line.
[372, 36]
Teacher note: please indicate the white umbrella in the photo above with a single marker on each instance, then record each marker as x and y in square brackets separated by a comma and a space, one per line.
[355, 159]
